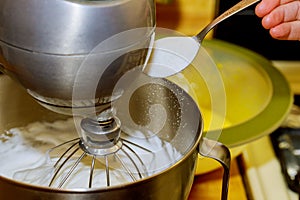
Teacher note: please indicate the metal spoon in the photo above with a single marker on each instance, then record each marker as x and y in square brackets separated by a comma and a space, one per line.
[231, 11]
[173, 54]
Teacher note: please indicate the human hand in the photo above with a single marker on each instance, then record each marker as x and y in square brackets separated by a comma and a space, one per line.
[281, 17]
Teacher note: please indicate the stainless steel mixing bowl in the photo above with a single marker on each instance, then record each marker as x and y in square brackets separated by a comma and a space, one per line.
[17, 109]
[43, 43]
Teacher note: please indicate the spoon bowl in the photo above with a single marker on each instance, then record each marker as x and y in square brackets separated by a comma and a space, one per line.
[173, 54]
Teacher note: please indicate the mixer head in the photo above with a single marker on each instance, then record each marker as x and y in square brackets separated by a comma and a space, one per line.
[44, 43]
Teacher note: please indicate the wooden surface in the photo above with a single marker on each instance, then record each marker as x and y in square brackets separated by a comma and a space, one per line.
[208, 186]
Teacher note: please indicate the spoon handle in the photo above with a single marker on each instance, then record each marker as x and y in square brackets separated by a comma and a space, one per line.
[231, 11]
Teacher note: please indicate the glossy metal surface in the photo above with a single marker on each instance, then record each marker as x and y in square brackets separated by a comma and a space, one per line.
[219, 152]
[43, 45]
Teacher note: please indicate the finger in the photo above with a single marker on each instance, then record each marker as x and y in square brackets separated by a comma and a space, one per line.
[281, 14]
[266, 6]
[286, 31]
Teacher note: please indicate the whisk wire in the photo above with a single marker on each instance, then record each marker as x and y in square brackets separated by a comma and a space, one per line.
[134, 144]
[107, 171]
[64, 162]
[62, 144]
[72, 169]
[134, 163]
[125, 167]
[92, 171]
[63, 155]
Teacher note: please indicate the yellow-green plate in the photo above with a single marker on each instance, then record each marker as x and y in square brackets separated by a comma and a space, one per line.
[274, 108]
[258, 98]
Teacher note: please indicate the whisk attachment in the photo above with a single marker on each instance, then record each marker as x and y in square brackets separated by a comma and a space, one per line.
[100, 137]
[101, 145]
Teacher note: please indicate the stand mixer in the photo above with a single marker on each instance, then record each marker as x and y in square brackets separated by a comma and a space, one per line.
[70, 57]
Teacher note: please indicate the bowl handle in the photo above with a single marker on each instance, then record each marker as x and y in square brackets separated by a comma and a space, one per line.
[219, 152]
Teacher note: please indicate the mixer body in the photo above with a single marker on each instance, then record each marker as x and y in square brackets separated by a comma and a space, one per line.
[44, 43]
